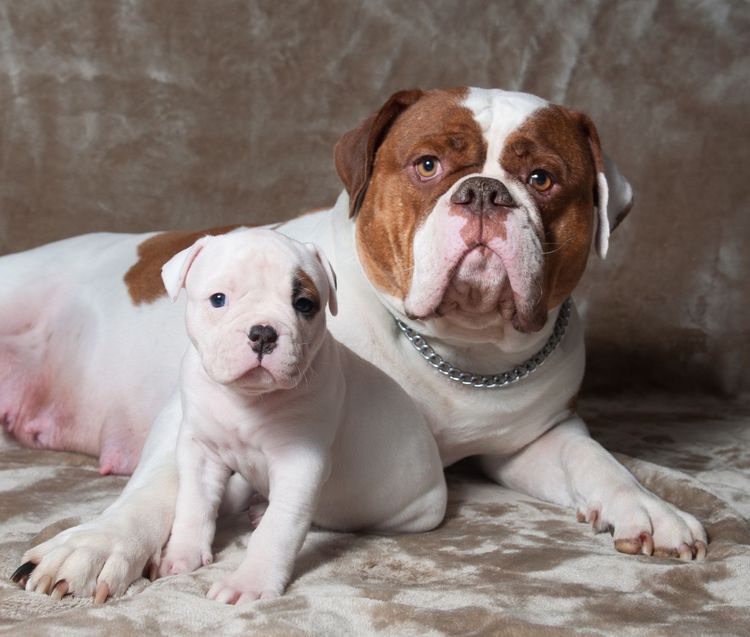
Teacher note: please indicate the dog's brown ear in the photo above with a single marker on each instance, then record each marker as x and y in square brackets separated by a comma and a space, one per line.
[613, 195]
[355, 152]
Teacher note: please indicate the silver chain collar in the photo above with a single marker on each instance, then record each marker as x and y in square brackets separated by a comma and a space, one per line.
[490, 381]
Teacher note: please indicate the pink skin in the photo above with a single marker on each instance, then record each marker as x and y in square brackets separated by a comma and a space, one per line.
[40, 417]
[26, 408]
[476, 265]
[120, 450]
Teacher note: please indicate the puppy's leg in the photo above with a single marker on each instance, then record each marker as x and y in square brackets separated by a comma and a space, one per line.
[202, 483]
[567, 467]
[104, 556]
[295, 482]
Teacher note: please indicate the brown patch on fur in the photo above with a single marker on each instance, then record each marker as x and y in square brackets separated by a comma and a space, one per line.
[304, 286]
[143, 279]
[560, 142]
[392, 202]
[354, 154]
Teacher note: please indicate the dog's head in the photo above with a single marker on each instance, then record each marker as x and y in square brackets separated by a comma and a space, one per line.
[478, 208]
[256, 306]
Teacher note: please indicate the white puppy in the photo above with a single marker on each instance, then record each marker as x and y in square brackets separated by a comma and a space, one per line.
[268, 393]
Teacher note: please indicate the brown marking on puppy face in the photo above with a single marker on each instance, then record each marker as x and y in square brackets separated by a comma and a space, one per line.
[397, 199]
[558, 141]
[143, 279]
[303, 287]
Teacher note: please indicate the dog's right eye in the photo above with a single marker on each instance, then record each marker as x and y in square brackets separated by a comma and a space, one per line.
[218, 300]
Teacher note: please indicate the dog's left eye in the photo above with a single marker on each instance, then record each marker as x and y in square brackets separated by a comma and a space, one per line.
[540, 180]
[303, 305]
[427, 167]
[218, 300]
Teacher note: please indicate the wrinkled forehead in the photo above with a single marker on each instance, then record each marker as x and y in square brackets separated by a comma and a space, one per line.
[460, 117]
[249, 259]
[498, 113]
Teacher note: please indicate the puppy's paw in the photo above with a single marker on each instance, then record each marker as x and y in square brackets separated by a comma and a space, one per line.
[240, 587]
[641, 523]
[180, 558]
[97, 559]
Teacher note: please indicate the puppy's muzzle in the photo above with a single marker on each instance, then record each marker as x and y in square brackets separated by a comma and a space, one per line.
[482, 196]
[262, 339]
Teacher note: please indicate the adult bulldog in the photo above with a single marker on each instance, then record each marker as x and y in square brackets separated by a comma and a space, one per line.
[467, 221]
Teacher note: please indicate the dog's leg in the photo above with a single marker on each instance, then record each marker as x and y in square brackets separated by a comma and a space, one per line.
[104, 556]
[202, 484]
[567, 467]
[273, 546]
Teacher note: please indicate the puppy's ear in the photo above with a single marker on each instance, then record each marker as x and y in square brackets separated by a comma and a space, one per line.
[330, 276]
[613, 194]
[355, 152]
[175, 271]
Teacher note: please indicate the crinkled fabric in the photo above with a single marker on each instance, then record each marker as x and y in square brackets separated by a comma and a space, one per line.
[501, 564]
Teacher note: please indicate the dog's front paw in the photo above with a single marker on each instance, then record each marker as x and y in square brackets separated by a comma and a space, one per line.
[243, 586]
[180, 557]
[642, 523]
[97, 559]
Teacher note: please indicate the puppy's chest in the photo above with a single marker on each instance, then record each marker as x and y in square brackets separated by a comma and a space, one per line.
[240, 450]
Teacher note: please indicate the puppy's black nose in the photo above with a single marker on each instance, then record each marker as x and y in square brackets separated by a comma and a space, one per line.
[482, 195]
[262, 339]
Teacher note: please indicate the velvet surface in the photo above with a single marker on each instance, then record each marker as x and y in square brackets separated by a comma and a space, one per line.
[501, 564]
[136, 115]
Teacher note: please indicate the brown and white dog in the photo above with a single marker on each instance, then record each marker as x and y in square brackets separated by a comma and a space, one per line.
[469, 215]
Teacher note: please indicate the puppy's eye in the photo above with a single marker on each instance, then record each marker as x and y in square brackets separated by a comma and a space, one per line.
[427, 167]
[218, 300]
[540, 180]
[303, 305]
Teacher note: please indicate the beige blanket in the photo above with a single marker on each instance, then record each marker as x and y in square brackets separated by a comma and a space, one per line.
[501, 564]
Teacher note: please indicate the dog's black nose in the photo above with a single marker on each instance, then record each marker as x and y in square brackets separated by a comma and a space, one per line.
[263, 339]
[482, 195]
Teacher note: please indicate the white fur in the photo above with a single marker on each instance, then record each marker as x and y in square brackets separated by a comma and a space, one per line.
[527, 436]
[498, 114]
[344, 447]
[438, 247]
[615, 195]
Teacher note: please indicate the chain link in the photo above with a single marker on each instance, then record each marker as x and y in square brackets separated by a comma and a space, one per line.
[490, 381]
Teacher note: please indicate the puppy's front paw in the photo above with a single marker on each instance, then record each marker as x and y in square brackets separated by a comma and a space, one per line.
[241, 586]
[183, 558]
[642, 523]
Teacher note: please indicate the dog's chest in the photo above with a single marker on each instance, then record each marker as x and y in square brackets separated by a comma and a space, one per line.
[236, 446]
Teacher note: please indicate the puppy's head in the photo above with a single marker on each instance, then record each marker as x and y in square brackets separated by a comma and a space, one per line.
[476, 209]
[255, 306]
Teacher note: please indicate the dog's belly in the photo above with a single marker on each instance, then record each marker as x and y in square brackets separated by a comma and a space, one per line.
[81, 367]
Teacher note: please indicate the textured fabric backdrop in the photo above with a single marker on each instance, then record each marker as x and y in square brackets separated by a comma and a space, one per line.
[136, 115]
[139, 115]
